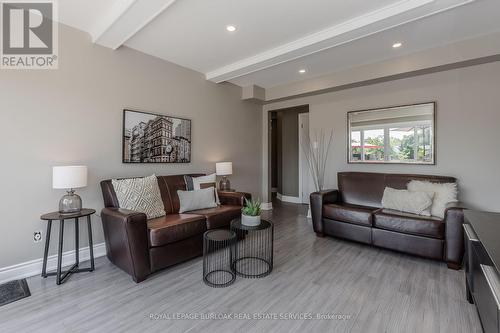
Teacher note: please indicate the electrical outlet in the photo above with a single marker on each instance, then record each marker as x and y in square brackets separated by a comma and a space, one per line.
[37, 236]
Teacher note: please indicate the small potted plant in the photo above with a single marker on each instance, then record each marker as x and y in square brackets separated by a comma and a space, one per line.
[250, 214]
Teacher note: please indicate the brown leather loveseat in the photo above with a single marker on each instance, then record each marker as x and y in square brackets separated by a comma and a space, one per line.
[354, 212]
[141, 247]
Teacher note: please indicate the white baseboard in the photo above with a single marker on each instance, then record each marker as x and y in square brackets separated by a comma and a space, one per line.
[286, 198]
[266, 206]
[34, 267]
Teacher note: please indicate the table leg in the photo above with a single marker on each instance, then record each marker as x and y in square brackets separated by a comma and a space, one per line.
[59, 254]
[91, 244]
[468, 293]
[77, 242]
[46, 251]
[272, 246]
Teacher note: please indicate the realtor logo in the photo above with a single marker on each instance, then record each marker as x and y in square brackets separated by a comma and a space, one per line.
[29, 35]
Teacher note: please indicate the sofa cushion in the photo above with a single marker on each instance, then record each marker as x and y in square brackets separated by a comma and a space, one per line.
[407, 223]
[174, 227]
[367, 188]
[219, 217]
[169, 185]
[349, 213]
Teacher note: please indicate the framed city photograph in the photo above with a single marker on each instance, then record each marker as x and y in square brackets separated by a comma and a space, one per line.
[155, 138]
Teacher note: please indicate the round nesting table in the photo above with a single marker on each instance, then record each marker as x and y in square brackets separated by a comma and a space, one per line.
[218, 249]
[253, 255]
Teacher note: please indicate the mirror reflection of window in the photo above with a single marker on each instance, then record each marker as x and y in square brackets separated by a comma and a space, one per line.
[393, 135]
[374, 145]
[356, 145]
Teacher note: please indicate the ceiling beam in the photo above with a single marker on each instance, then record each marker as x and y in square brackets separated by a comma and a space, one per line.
[253, 93]
[125, 19]
[470, 52]
[365, 25]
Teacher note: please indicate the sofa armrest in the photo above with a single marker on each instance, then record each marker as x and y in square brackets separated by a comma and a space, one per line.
[318, 199]
[233, 198]
[454, 218]
[127, 245]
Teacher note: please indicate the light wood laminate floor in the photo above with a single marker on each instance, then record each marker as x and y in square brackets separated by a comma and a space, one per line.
[380, 291]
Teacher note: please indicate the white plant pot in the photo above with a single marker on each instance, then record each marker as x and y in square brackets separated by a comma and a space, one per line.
[250, 221]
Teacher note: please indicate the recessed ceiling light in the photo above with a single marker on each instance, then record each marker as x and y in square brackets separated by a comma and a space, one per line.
[397, 45]
[231, 28]
[302, 71]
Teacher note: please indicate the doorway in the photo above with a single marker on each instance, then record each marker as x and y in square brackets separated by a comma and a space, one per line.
[288, 167]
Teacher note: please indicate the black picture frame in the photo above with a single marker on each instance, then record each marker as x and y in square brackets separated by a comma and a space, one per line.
[153, 138]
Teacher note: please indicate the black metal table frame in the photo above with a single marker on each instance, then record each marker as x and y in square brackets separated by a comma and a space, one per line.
[60, 275]
[270, 264]
[252, 276]
[230, 242]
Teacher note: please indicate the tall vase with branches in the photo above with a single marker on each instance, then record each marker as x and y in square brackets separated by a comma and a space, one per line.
[316, 149]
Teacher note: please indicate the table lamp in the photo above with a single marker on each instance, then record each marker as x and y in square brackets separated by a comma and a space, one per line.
[69, 178]
[224, 169]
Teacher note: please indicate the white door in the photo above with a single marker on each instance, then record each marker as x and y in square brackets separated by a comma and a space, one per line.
[303, 164]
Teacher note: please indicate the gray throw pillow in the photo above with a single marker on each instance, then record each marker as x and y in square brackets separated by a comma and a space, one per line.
[140, 195]
[196, 183]
[196, 199]
[207, 181]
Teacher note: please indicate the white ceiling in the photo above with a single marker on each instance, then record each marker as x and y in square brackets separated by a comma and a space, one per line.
[275, 38]
[196, 26]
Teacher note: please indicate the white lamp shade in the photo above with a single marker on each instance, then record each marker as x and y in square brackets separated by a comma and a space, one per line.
[224, 168]
[68, 177]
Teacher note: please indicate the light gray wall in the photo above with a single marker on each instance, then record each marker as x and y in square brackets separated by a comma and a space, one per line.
[279, 151]
[74, 116]
[288, 150]
[468, 121]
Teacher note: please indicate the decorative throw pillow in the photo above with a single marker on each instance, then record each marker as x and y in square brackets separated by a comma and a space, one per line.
[140, 195]
[444, 193]
[196, 199]
[407, 201]
[204, 182]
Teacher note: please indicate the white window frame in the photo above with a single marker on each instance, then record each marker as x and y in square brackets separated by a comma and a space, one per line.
[387, 143]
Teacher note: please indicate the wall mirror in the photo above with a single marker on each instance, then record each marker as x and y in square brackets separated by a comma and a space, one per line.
[402, 134]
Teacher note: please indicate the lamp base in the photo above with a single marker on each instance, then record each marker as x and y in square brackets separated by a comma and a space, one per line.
[224, 184]
[70, 203]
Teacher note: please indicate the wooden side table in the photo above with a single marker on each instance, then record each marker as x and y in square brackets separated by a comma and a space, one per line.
[54, 216]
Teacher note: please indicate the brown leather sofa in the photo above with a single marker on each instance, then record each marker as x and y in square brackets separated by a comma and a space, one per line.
[354, 212]
[141, 247]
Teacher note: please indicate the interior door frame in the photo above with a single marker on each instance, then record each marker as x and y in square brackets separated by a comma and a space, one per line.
[267, 121]
[301, 156]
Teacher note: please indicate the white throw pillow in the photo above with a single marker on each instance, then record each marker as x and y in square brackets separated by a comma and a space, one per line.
[204, 181]
[140, 195]
[407, 201]
[196, 199]
[444, 193]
